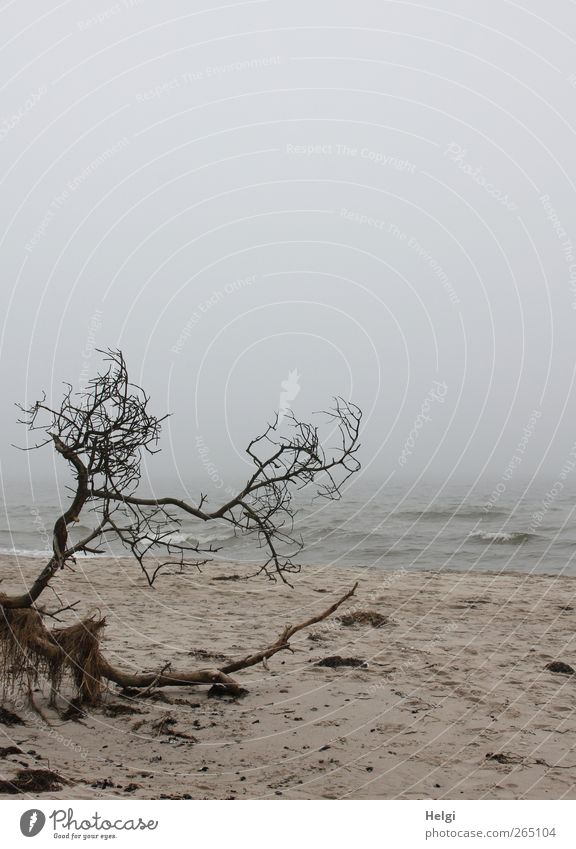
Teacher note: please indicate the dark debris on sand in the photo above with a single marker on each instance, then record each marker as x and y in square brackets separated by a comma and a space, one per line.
[168, 796]
[166, 726]
[10, 750]
[9, 718]
[33, 781]
[103, 783]
[75, 711]
[561, 667]
[228, 578]
[114, 709]
[335, 661]
[206, 654]
[151, 695]
[221, 691]
[503, 758]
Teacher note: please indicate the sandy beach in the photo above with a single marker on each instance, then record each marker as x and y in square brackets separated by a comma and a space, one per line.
[449, 698]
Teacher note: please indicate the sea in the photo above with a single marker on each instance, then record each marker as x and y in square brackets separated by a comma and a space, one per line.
[494, 527]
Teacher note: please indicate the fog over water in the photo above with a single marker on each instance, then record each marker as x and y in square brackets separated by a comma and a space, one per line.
[267, 204]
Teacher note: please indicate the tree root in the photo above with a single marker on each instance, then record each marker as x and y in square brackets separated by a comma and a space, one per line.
[28, 648]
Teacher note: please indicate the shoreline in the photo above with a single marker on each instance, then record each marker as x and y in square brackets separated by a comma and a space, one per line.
[454, 701]
[251, 565]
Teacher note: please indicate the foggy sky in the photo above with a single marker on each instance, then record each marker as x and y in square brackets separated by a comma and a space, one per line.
[376, 196]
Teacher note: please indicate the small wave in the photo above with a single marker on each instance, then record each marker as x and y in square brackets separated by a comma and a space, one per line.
[503, 537]
[25, 552]
[177, 539]
[187, 538]
[472, 513]
[42, 555]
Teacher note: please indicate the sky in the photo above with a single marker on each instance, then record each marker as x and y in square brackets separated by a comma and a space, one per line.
[267, 204]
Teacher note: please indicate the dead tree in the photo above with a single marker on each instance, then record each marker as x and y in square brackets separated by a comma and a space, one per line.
[104, 432]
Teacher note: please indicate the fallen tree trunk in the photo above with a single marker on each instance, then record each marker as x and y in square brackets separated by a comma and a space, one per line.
[28, 650]
[149, 680]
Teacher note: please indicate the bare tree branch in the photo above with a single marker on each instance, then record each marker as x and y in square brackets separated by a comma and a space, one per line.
[104, 432]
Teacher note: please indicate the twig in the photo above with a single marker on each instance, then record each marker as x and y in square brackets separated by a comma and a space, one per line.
[149, 689]
[282, 642]
[54, 614]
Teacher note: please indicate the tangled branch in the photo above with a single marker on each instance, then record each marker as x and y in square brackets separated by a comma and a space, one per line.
[104, 432]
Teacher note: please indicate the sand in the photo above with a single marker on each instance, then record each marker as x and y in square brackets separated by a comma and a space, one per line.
[454, 700]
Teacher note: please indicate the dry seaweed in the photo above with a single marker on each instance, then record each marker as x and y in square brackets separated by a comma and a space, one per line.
[561, 667]
[206, 654]
[228, 578]
[504, 758]
[335, 661]
[166, 726]
[219, 691]
[33, 781]
[363, 617]
[10, 750]
[118, 709]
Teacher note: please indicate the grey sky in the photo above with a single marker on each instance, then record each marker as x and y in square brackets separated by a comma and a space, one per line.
[378, 195]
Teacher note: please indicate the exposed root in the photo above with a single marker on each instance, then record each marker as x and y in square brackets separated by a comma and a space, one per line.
[29, 651]
[80, 645]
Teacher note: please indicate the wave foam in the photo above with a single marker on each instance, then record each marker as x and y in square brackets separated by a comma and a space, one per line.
[43, 555]
[513, 537]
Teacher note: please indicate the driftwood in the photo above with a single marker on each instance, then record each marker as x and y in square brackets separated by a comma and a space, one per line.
[27, 645]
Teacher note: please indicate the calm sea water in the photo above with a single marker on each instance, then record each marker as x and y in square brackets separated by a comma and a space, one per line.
[420, 527]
